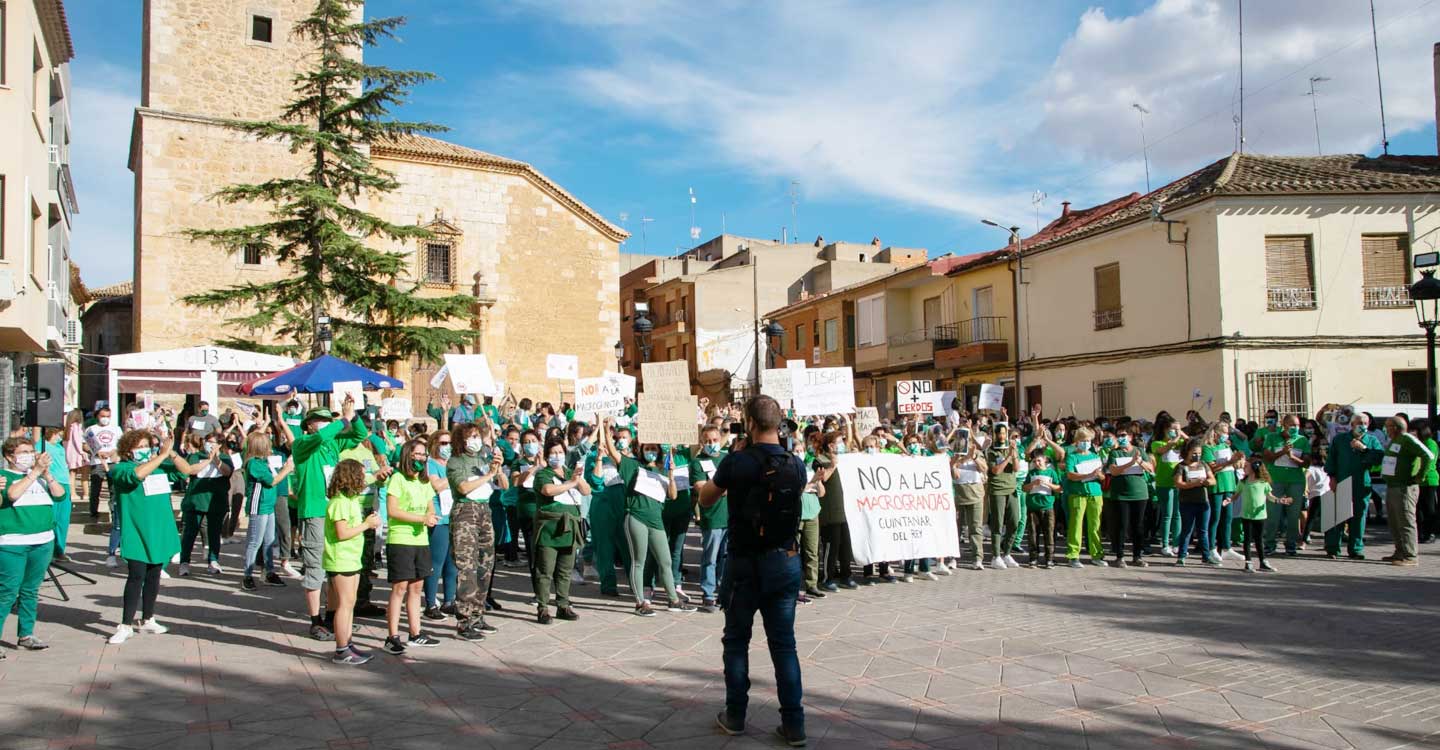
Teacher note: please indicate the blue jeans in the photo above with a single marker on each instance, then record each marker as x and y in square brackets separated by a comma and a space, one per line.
[765, 583]
[261, 533]
[442, 566]
[114, 545]
[712, 559]
[1194, 518]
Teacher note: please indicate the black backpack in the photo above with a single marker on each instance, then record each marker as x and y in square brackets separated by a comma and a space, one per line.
[771, 510]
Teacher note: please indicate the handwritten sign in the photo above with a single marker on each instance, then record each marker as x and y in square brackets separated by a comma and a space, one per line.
[598, 397]
[668, 418]
[666, 377]
[867, 419]
[398, 409]
[898, 507]
[823, 390]
[625, 382]
[914, 397]
[562, 366]
[777, 384]
[991, 397]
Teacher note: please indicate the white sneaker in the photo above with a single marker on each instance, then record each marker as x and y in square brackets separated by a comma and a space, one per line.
[184, 569]
[153, 626]
[649, 593]
[175, 558]
[112, 562]
[1167, 551]
[998, 563]
[1231, 554]
[977, 565]
[930, 575]
[290, 570]
[941, 569]
[576, 578]
[122, 634]
[1010, 561]
[590, 575]
[163, 574]
[215, 568]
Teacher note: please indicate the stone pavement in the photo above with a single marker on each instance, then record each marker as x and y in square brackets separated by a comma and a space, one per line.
[1322, 655]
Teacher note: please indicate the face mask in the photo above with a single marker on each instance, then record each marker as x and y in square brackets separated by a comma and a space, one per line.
[1082, 446]
[713, 449]
[1109, 443]
[1271, 421]
[1172, 434]
[212, 447]
[1292, 431]
[915, 450]
[837, 448]
[622, 445]
[650, 457]
[1124, 441]
[418, 464]
[104, 421]
[204, 411]
[474, 444]
[142, 454]
[24, 461]
[532, 449]
[445, 453]
[868, 451]
[293, 411]
[1059, 434]
[1361, 429]
[555, 461]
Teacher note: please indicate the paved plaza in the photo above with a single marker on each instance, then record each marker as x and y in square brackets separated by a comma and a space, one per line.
[1324, 654]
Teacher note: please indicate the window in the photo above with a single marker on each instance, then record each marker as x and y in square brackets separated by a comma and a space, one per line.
[1289, 277]
[37, 240]
[439, 263]
[1285, 391]
[870, 325]
[1107, 297]
[832, 334]
[262, 29]
[800, 340]
[1385, 261]
[37, 77]
[850, 331]
[250, 254]
[1110, 398]
[930, 311]
[816, 334]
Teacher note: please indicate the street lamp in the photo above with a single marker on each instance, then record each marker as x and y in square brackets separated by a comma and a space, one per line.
[1015, 256]
[1425, 293]
[323, 333]
[642, 327]
[773, 332]
[619, 357]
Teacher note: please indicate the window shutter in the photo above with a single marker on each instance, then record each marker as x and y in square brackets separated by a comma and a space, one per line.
[1107, 288]
[1383, 259]
[1287, 263]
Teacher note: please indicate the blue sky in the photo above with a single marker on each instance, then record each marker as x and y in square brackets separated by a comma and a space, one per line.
[907, 121]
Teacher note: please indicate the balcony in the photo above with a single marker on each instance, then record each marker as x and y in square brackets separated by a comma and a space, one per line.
[671, 324]
[872, 357]
[973, 342]
[1386, 297]
[1106, 319]
[1289, 298]
[911, 347]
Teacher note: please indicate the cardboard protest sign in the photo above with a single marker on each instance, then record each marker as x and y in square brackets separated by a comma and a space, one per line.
[398, 409]
[598, 397]
[991, 397]
[1336, 507]
[913, 397]
[898, 507]
[352, 388]
[777, 385]
[823, 390]
[562, 366]
[470, 373]
[867, 418]
[668, 418]
[666, 377]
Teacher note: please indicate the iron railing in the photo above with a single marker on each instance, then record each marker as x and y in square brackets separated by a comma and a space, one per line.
[1384, 297]
[1109, 318]
[1290, 298]
[983, 330]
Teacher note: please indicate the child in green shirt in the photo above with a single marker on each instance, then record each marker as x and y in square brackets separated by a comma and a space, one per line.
[1040, 487]
[1254, 494]
[346, 522]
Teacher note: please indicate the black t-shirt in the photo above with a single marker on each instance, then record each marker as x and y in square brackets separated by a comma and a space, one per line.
[737, 474]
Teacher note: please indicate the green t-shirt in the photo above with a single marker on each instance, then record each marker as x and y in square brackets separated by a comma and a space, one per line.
[147, 517]
[29, 519]
[1286, 470]
[645, 509]
[259, 487]
[315, 457]
[1167, 456]
[1252, 500]
[682, 506]
[1043, 500]
[343, 556]
[1225, 481]
[1073, 459]
[717, 516]
[1127, 486]
[555, 532]
[409, 496]
[362, 455]
[203, 491]
[1002, 483]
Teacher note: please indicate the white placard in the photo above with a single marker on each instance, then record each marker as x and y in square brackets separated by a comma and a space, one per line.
[666, 377]
[777, 384]
[598, 397]
[470, 373]
[1336, 507]
[823, 390]
[157, 483]
[398, 409]
[898, 507]
[483, 492]
[667, 418]
[447, 502]
[275, 463]
[439, 376]
[354, 389]
[1088, 466]
[991, 397]
[914, 397]
[1194, 475]
[562, 366]
[650, 484]
[867, 420]
[626, 382]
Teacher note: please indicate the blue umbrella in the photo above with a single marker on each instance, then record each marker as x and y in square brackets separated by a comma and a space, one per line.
[318, 376]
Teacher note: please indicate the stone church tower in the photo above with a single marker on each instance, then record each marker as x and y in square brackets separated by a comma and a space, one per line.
[543, 266]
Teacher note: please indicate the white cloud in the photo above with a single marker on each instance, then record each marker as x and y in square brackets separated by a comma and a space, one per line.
[103, 103]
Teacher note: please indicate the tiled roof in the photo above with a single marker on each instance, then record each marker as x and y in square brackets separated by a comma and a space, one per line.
[1068, 224]
[123, 289]
[425, 148]
[57, 30]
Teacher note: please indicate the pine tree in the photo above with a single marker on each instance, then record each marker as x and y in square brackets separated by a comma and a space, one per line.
[316, 233]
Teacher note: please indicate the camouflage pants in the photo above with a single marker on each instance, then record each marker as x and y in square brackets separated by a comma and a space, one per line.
[472, 544]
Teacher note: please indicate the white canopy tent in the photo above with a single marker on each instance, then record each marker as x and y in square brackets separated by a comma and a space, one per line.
[209, 372]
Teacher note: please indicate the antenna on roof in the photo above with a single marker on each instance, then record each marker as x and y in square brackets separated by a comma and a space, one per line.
[1144, 145]
[1240, 122]
[644, 242]
[694, 230]
[1315, 110]
[1379, 85]
[794, 203]
[1036, 199]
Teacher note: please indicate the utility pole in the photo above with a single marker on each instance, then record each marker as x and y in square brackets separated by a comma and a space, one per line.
[1144, 144]
[755, 309]
[1315, 110]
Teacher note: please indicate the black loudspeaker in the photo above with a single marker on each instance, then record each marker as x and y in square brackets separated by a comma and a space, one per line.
[44, 395]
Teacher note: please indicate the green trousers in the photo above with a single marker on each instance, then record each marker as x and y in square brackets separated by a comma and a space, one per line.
[62, 521]
[1020, 524]
[1168, 499]
[810, 552]
[644, 542]
[1278, 516]
[1083, 515]
[552, 570]
[22, 569]
[607, 535]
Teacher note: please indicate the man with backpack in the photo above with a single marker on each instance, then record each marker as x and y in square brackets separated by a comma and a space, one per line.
[763, 485]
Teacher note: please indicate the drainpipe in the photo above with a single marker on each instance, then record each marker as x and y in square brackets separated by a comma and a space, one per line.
[1015, 268]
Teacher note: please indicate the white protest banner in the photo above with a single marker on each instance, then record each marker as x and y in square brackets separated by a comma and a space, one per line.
[248, 409]
[439, 376]
[562, 366]
[913, 396]
[823, 390]
[666, 377]
[398, 409]
[352, 388]
[625, 382]
[777, 385]
[867, 418]
[1336, 507]
[898, 507]
[794, 364]
[991, 397]
[470, 373]
[597, 397]
[668, 418]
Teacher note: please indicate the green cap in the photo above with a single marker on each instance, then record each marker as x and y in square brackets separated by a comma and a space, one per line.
[318, 413]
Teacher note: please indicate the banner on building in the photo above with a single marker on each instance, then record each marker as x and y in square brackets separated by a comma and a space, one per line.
[470, 373]
[777, 385]
[867, 418]
[666, 377]
[823, 390]
[598, 397]
[668, 418]
[914, 396]
[898, 507]
[991, 397]
[562, 366]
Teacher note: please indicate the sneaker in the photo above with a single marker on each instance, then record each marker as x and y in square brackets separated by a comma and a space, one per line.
[1099, 562]
[1231, 554]
[31, 643]
[290, 570]
[163, 574]
[421, 639]
[111, 561]
[122, 634]
[709, 606]
[1139, 562]
[351, 658]
[1076, 563]
[1121, 564]
[494, 604]
[153, 626]
[248, 584]
[813, 593]
[274, 580]
[801, 598]
[930, 576]
[543, 617]
[1267, 567]
[680, 606]
[888, 578]
[576, 579]
[184, 570]
[728, 725]
[1167, 552]
[448, 609]
[830, 586]
[1408, 562]
[1249, 567]
[432, 613]
[1180, 563]
[791, 737]
[1010, 561]
[998, 563]
[940, 569]
[393, 646]
[977, 565]
[644, 610]
[908, 578]
[568, 614]
[214, 568]
[321, 633]
[472, 633]
[1031, 563]
[1212, 560]
[850, 584]
[487, 628]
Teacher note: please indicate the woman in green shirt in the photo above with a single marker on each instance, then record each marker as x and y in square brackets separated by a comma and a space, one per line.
[557, 531]
[27, 534]
[648, 485]
[1003, 458]
[141, 481]
[526, 464]
[1222, 457]
[1165, 448]
[1127, 467]
[410, 499]
[346, 521]
[206, 498]
[1083, 500]
[264, 471]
